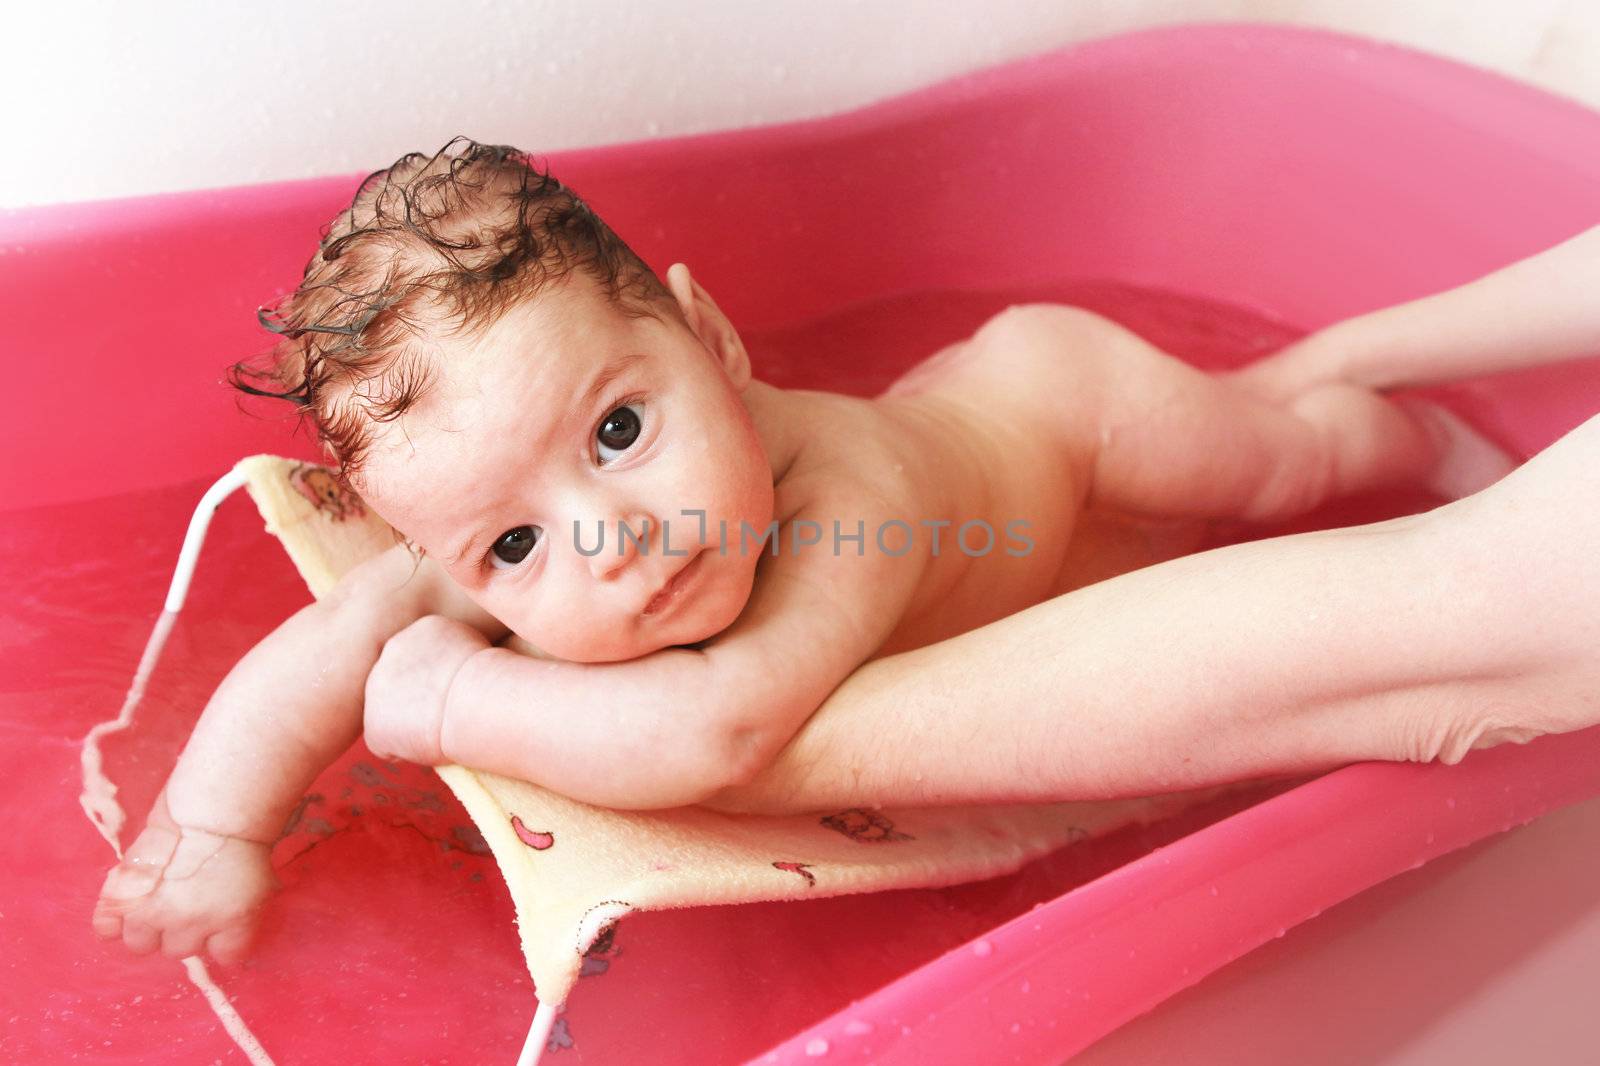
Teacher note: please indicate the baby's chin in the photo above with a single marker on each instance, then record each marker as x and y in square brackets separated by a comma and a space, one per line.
[615, 652]
[713, 612]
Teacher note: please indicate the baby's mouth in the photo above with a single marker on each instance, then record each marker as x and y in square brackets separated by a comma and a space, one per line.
[675, 590]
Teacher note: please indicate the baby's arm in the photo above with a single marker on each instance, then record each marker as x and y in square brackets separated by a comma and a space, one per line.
[1540, 310]
[194, 877]
[673, 727]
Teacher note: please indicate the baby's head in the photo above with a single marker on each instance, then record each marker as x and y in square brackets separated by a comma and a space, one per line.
[501, 379]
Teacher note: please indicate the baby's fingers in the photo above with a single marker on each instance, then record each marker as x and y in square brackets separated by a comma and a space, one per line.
[230, 945]
[107, 921]
[183, 940]
[125, 888]
[127, 911]
[140, 938]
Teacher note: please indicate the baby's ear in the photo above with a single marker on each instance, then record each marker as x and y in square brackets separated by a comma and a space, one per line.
[707, 321]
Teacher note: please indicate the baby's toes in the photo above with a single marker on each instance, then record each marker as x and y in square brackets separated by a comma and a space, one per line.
[1468, 461]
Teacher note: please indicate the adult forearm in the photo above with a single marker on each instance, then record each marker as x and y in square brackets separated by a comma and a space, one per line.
[1539, 310]
[1416, 639]
[1128, 687]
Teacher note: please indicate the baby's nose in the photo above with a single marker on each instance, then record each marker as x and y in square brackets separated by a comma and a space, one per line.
[627, 538]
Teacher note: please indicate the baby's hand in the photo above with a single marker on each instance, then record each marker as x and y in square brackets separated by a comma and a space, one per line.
[185, 891]
[406, 689]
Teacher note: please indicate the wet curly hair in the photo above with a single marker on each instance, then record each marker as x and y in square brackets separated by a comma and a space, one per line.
[448, 241]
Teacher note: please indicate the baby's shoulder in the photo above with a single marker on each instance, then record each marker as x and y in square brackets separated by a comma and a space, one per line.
[887, 455]
[861, 455]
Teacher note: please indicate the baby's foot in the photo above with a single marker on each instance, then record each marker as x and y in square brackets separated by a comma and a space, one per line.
[1468, 461]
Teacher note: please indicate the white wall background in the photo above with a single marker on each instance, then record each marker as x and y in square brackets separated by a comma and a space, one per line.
[102, 99]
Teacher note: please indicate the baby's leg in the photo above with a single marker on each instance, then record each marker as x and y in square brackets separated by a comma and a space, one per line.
[1167, 439]
[1324, 360]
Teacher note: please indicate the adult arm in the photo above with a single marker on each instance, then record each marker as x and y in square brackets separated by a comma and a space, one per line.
[1539, 310]
[1415, 639]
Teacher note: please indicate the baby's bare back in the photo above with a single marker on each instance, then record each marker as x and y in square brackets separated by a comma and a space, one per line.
[979, 465]
[1105, 453]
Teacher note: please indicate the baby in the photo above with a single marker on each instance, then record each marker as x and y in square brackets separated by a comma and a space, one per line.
[631, 569]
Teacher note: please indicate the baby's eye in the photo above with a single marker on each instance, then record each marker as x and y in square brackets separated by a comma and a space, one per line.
[514, 546]
[617, 432]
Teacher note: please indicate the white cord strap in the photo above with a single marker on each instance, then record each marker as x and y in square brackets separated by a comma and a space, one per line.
[99, 795]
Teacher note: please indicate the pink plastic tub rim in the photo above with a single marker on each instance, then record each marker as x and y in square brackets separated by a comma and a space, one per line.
[1309, 175]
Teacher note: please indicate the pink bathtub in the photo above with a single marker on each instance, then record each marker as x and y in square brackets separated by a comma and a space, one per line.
[1208, 185]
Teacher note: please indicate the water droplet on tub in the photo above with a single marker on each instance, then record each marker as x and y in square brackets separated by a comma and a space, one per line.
[1451, 803]
[982, 949]
[816, 1047]
[1213, 890]
[1016, 1027]
[1027, 987]
[857, 1027]
[1280, 932]
[1429, 839]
